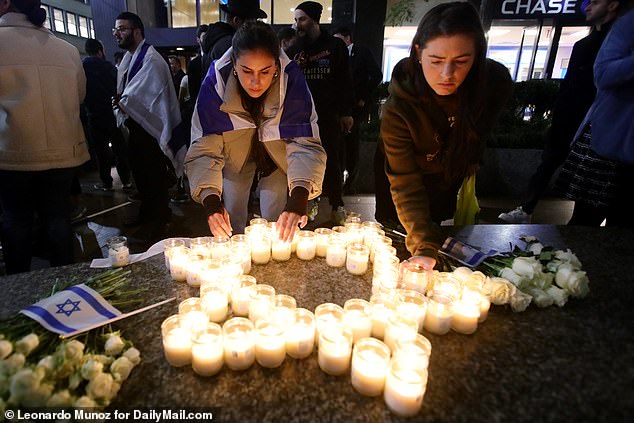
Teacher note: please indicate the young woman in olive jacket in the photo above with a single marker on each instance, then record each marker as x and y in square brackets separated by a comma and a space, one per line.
[444, 99]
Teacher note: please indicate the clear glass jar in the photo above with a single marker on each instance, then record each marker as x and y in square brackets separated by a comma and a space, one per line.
[306, 245]
[336, 251]
[118, 251]
[215, 302]
[322, 236]
[207, 350]
[201, 246]
[270, 343]
[241, 296]
[168, 246]
[300, 336]
[414, 276]
[399, 326]
[439, 312]
[195, 268]
[335, 350]
[405, 388]
[413, 304]
[261, 249]
[280, 250]
[370, 363]
[383, 306]
[357, 259]
[416, 351]
[378, 243]
[261, 304]
[354, 232]
[220, 247]
[177, 343]
[357, 316]
[327, 314]
[179, 260]
[284, 309]
[192, 314]
[238, 336]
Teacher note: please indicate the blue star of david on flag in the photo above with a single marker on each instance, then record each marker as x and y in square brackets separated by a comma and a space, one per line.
[61, 313]
[61, 308]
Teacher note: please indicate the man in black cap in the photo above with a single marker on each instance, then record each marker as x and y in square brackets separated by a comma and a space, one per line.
[324, 60]
[218, 37]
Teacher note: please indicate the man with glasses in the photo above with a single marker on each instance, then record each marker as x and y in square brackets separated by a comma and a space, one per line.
[151, 113]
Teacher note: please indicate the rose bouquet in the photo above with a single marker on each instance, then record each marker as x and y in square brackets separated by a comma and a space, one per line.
[548, 276]
[38, 369]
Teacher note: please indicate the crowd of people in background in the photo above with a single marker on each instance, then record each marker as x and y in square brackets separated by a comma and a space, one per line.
[273, 119]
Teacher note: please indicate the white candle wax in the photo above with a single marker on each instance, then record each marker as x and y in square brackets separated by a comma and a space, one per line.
[465, 317]
[414, 278]
[359, 323]
[322, 235]
[336, 255]
[239, 351]
[270, 345]
[261, 251]
[380, 316]
[335, 350]
[306, 249]
[259, 307]
[216, 306]
[399, 327]
[404, 391]
[119, 256]
[241, 296]
[193, 272]
[369, 370]
[177, 346]
[438, 316]
[281, 251]
[357, 259]
[485, 305]
[178, 265]
[207, 354]
[300, 340]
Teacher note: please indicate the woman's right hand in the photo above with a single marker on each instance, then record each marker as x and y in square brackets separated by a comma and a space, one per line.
[219, 224]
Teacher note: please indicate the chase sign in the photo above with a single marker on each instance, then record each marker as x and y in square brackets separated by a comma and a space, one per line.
[512, 9]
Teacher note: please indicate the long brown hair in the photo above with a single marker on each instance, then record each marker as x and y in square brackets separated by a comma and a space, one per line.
[449, 19]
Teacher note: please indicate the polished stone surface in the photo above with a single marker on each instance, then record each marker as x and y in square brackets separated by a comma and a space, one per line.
[555, 364]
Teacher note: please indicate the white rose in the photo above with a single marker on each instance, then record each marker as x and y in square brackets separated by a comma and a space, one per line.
[40, 396]
[73, 351]
[6, 348]
[568, 256]
[542, 280]
[14, 363]
[103, 359]
[526, 266]
[60, 399]
[114, 345]
[462, 273]
[99, 386]
[133, 355]
[91, 368]
[47, 364]
[85, 402]
[574, 282]
[26, 389]
[476, 279]
[520, 301]
[121, 369]
[501, 290]
[529, 239]
[536, 248]
[27, 344]
[559, 296]
[540, 298]
[511, 276]
[114, 390]
[553, 265]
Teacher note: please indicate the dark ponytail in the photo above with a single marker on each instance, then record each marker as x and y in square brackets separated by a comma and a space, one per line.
[32, 9]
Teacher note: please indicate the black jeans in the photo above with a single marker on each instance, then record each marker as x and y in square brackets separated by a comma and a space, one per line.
[150, 170]
[47, 193]
[385, 209]
[103, 131]
[349, 149]
[330, 134]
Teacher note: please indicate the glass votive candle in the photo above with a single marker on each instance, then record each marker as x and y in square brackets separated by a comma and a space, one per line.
[357, 259]
[416, 351]
[280, 250]
[387, 283]
[306, 245]
[238, 339]
[357, 317]
[383, 252]
[383, 306]
[220, 247]
[399, 326]
[177, 343]
[200, 246]
[353, 217]
[212, 272]
[378, 243]
[284, 309]
[414, 304]
[179, 260]
[241, 295]
[370, 363]
[446, 283]
[300, 335]
[118, 251]
[261, 303]
[258, 222]
[414, 276]
[261, 249]
[231, 272]
[215, 302]
[242, 249]
[168, 246]
[322, 236]
[207, 350]
[196, 266]
[335, 350]
[387, 265]
[192, 314]
[339, 232]
[439, 313]
[465, 316]
[327, 314]
[354, 232]
[270, 343]
[336, 251]
[404, 388]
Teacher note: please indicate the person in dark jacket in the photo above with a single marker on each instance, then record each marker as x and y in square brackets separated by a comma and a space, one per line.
[324, 60]
[444, 100]
[101, 86]
[195, 68]
[366, 76]
[218, 37]
[576, 94]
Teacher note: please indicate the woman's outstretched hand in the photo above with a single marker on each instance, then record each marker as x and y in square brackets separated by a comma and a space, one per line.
[219, 224]
[287, 224]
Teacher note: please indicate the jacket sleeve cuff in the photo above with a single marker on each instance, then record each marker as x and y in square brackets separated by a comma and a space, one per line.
[298, 201]
[212, 204]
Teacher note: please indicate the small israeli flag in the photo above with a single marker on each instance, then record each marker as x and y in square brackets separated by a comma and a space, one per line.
[70, 310]
[464, 253]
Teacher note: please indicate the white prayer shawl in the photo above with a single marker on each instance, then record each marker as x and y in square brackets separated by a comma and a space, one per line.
[150, 100]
